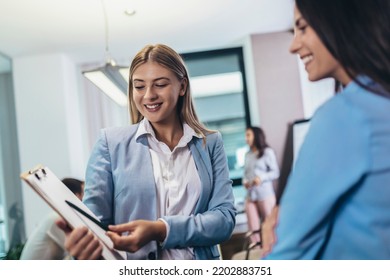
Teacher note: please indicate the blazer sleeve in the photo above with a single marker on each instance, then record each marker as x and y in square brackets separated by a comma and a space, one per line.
[333, 158]
[99, 187]
[216, 223]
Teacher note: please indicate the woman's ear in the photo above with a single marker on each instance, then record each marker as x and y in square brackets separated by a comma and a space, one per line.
[184, 85]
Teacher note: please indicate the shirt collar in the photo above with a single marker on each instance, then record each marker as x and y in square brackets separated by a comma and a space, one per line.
[145, 128]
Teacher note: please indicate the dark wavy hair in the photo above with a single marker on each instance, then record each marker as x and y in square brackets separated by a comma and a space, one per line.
[75, 185]
[357, 34]
[259, 140]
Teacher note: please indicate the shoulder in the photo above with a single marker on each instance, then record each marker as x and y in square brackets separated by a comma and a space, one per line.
[269, 151]
[354, 105]
[213, 136]
[211, 144]
[210, 139]
[214, 140]
[339, 112]
[339, 127]
[121, 133]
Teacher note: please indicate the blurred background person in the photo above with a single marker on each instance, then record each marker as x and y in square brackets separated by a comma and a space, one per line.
[260, 170]
[47, 240]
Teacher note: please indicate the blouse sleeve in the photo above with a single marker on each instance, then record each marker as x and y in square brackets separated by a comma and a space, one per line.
[272, 172]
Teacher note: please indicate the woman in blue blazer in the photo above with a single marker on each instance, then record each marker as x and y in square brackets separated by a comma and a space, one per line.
[162, 184]
[336, 204]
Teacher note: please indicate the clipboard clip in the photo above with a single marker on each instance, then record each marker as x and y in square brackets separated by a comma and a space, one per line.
[35, 171]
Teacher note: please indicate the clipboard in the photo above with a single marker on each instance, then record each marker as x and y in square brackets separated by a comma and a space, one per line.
[62, 200]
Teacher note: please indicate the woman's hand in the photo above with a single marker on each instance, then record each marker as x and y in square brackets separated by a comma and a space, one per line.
[268, 236]
[81, 243]
[247, 185]
[256, 181]
[140, 232]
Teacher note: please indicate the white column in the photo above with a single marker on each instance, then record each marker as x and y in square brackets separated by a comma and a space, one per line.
[48, 123]
[314, 94]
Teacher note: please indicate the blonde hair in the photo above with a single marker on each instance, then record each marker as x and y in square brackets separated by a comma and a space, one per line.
[170, 59]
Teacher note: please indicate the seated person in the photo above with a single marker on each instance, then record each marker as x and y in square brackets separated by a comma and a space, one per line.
[47, 240]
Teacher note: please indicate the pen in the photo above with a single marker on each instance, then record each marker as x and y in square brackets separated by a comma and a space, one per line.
[104, 227]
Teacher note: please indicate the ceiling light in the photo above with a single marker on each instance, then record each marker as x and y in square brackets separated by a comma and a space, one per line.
[130, 12]
[107, 77]
[125, 72]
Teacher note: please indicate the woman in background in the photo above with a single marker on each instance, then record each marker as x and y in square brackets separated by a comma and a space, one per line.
[46, 242]
[336, 204]
[260, 170]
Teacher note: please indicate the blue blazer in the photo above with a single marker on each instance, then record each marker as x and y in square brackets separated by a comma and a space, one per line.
[120, 187]
[337, 201]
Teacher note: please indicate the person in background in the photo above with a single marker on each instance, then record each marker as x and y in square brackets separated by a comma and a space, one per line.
[336, 204]
[47, 240]
[162, 184]
[260, 170]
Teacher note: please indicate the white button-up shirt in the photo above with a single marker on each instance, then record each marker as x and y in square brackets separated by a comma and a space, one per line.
[177, 181]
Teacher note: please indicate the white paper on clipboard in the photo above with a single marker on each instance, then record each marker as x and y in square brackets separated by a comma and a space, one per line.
[47, 185]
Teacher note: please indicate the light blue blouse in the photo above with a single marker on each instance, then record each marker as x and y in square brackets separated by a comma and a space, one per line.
[337, 201]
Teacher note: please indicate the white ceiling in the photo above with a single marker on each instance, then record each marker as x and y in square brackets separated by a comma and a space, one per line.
[76, 27]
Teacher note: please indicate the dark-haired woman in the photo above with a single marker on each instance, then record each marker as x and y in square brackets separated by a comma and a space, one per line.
[260, 170]
[336, 204]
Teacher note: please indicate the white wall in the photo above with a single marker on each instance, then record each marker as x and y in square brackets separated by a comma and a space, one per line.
[314, 94]
[278, 89]
[48, 123]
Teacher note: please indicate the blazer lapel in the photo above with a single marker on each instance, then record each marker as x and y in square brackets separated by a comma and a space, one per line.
[203, 164]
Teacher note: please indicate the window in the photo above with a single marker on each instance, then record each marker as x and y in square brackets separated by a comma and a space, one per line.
[220, 95]
[11, 219]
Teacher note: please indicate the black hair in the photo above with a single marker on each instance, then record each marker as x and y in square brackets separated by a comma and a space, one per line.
[357, 34]
[75, 185]
[259, 140]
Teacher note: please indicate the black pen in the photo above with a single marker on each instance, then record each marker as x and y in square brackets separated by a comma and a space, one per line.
[87, 215]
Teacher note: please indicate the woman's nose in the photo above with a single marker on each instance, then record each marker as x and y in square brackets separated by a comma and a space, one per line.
[150, 93]
[295, 44]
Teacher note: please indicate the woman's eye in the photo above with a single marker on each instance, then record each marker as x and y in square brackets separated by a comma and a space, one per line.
[302, 29]
[138, 87]
[161, 85]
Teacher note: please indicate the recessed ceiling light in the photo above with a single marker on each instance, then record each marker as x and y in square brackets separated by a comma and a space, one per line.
[130, 12]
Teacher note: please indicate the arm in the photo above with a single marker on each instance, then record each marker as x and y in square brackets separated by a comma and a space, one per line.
[333, 158]
[99, 186]
[272, 172]
[245, 181]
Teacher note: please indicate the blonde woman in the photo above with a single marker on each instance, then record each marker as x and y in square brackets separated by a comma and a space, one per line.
[162, 184]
